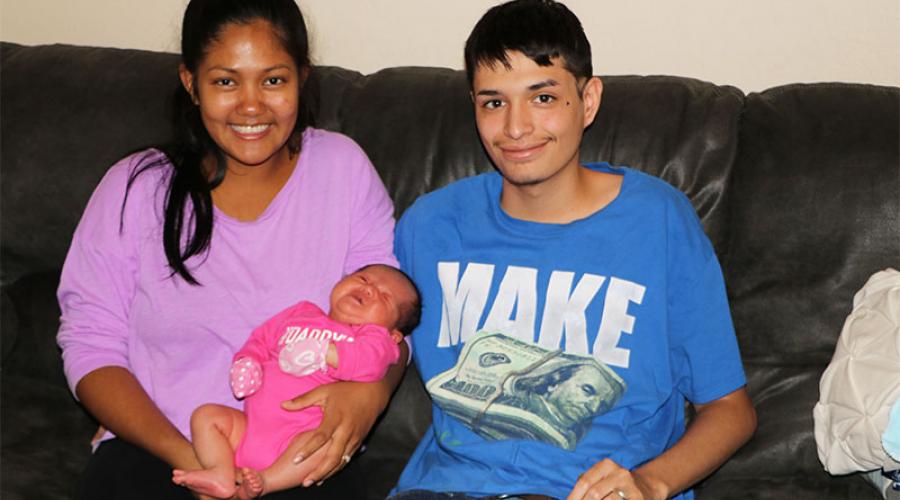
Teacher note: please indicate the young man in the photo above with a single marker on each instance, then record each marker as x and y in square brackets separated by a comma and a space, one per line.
[568, 310]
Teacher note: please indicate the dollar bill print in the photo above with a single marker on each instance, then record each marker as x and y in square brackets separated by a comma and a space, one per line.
[503, 388]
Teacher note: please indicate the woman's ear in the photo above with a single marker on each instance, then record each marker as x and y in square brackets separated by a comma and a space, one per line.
[396, 336]
[187, 81]
[304, 75]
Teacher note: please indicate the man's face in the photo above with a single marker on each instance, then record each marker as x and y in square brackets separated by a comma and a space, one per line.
[531, 118]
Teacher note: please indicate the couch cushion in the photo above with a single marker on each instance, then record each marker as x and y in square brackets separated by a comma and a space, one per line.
[46, 439]
[59, 137]
[679, 129]
[815, 211]
[396, 435]
[34, 352]
[417, 126]
[9, 325]
[816, 487]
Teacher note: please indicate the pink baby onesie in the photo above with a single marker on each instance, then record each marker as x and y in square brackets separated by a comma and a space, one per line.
[364, 354]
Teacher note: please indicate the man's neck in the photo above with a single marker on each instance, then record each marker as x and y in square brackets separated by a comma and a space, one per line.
[565, 198]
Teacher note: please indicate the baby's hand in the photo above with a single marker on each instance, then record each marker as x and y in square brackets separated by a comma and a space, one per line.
[246, 377]
[303, 357]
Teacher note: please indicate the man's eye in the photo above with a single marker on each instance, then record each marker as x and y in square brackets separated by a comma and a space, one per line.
[545, 99]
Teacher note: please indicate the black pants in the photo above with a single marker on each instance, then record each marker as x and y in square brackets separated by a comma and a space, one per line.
[121, 471]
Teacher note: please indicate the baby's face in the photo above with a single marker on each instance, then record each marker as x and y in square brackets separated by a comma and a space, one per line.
[372, 295]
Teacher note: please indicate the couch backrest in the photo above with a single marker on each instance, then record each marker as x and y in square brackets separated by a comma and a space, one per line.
[798, 187]
[814, 210]
[68, 114]
[815, 203]
[417, 125]
[60, 134]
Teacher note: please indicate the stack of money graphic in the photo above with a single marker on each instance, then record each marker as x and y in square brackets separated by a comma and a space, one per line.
[503, 388]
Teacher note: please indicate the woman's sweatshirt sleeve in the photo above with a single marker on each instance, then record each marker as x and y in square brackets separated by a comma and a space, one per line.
[98, 280]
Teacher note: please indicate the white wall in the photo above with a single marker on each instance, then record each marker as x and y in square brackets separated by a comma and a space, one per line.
[750, 44]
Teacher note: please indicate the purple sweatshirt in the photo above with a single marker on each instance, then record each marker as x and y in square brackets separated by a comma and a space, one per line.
[121, 307]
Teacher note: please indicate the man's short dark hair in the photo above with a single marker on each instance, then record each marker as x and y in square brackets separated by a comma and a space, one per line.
[541, 29]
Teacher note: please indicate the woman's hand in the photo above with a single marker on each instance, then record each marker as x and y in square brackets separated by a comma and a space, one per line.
[116, 399]
[349, 411]
[607, 480]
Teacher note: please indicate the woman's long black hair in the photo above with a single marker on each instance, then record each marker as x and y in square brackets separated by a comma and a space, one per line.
[204, 21]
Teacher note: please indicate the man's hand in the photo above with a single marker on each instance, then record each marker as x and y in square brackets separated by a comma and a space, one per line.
[349, 411]
[718, 429]
[607, 480]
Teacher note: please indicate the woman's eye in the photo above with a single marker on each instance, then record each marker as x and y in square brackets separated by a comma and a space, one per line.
[492, 104]
[224, 82]
[274, 80]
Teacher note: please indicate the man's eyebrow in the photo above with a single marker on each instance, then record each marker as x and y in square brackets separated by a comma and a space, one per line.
[540, 85]
[531, 88]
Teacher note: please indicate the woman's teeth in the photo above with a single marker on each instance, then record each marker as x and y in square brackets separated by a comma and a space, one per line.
[250, 129]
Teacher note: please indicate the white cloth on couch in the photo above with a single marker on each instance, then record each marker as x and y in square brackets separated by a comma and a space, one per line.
[862, 382]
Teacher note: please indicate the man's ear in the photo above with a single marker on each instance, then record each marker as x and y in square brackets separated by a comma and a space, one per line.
[591, 95]
[396, 336]
[187, 81]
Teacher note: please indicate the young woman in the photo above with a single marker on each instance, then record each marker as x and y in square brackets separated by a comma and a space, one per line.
[183, 250]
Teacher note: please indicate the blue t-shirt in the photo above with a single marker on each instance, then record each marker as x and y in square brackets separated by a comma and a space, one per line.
[548, 347]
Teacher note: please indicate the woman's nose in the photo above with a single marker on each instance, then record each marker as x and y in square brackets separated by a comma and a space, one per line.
[251, 101]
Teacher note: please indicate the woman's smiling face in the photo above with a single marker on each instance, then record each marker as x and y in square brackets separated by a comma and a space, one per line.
[248, 90]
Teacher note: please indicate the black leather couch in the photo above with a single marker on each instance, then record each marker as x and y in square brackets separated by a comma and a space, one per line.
[798, 187]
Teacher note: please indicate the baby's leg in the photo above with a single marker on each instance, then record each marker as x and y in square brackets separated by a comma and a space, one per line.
[282, 474]
[216, 431]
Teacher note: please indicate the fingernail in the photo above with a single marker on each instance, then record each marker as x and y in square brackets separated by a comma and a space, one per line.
[298, 458]
[307, 483]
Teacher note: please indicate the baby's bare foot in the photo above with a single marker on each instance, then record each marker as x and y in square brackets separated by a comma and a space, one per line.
[252, 485]
[213, 482]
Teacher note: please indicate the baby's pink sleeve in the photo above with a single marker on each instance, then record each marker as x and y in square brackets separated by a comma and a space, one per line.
[256, 345]
[367, 357]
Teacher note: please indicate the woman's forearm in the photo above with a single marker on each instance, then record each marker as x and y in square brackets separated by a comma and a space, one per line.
[116, 399]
